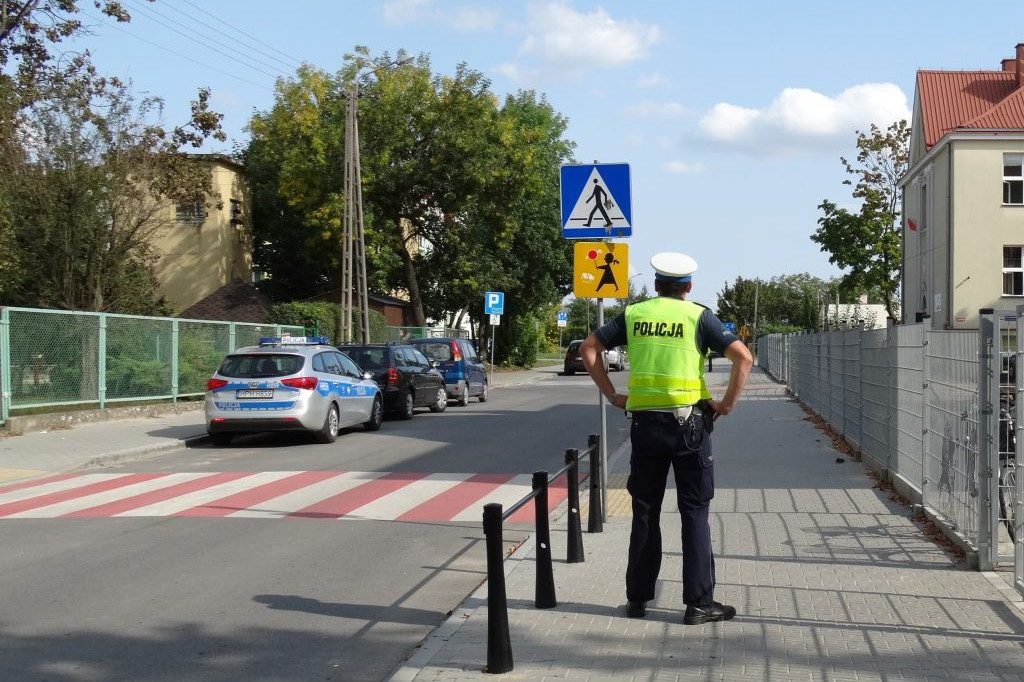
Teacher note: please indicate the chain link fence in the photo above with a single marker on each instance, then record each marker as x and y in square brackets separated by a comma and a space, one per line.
[55, 358]
[933, 411]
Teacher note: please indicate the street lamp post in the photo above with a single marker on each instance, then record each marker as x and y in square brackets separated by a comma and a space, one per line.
[353, 241]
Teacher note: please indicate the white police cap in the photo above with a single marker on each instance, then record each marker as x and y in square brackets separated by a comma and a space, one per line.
[673, 267]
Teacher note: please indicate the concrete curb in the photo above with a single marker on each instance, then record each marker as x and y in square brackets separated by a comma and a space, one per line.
[141, 452]
[433, 642]
[20, 425]
[439, 636]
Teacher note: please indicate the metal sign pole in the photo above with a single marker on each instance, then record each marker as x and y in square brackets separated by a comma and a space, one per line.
[604, 428]
[494, 341]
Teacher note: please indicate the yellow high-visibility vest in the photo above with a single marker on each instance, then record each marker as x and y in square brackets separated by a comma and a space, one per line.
[666, 369]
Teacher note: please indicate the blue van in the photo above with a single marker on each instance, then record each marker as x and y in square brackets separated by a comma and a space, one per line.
[464, 374]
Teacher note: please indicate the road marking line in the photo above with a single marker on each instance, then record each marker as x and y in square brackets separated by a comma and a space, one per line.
[289, 503]
[395, 504]
[342, 504]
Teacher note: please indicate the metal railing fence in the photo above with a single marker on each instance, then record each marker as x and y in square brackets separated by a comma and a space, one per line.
[927, 409]
[57, 358]
[499, 642]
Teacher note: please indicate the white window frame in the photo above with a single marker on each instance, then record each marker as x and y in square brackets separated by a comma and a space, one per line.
[1018, 272]
[1013, 185]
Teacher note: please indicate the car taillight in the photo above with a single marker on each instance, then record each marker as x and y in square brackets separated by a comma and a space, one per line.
[308, 383]
[214, 384]
[456, 353]
[393, 378]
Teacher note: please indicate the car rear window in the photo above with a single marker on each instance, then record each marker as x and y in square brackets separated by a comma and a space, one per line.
[574, 347]
[441, 351]
[261, 365]
[368, 359]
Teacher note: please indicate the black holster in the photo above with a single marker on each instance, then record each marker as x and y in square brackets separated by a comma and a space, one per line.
[708, 414]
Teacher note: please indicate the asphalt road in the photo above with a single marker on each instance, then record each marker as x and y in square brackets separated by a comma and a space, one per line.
[165, 597]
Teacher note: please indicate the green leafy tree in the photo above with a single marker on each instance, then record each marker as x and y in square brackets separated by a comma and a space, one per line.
[460, 192]
[29, 32]
[294, 162]
[89, 193]
[580, 318]
[868, 242]
[85, 168]
[782, 304]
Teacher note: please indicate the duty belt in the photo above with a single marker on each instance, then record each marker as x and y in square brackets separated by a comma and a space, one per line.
[681, 413]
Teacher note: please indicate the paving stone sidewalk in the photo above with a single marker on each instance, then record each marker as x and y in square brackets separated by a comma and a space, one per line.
[831, 578]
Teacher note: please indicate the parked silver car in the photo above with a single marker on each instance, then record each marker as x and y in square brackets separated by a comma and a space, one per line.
[615, 359]
[290, 384]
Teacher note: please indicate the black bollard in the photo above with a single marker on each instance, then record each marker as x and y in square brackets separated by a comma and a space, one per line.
[574, 550]
[499, 643]
[595, 519]
[544, 596]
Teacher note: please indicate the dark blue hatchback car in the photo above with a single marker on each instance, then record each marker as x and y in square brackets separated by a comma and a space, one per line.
[464, 374]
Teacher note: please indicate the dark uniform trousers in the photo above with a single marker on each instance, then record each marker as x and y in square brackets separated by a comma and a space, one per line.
[659, 441]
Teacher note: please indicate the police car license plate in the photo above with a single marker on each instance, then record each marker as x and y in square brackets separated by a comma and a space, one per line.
[255, 393]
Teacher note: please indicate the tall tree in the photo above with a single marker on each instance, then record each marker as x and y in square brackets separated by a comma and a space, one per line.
[460, 191]
[90, 192]
[29, 32]
[295, 164]
[85, 168]
[868, 242]
[782, 304]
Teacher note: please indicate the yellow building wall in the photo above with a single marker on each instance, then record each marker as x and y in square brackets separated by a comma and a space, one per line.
[196, 259]
[953, 261]
[982, 226]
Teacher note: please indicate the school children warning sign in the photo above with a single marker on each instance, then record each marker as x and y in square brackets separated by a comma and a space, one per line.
[600, 270]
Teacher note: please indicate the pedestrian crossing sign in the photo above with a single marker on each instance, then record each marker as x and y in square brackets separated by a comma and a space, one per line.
[597, 201]
[600, 270]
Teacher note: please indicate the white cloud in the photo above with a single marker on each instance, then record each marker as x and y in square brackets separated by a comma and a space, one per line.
[510, 70]
[562, 41]
[465, 18]
[683, 167]
[475, 19]
[663, 110]
[400, 12]
[804, 121]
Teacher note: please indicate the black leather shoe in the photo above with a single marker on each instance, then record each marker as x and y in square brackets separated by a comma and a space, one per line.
[636, 609]
[695, 615]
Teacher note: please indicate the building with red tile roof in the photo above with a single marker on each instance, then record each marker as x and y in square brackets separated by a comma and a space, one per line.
[963, 195]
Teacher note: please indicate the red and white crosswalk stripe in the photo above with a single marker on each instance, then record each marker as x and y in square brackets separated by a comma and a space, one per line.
[370, 495]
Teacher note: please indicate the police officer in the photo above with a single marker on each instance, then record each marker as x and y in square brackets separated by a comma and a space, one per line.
[673, 413]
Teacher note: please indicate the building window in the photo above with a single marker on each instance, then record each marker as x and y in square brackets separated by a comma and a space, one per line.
[1013, 179]
[236, 212]
[190, 212]
[1013, 271]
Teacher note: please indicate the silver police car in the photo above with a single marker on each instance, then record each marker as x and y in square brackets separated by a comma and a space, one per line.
[290, 384]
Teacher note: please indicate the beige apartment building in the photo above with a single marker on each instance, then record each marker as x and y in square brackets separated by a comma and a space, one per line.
[207, 246]
[963, 195]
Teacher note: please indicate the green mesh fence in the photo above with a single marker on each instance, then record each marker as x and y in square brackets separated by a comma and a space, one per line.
[139, 354]
[201, 347]
[54, 358]
[249, 334]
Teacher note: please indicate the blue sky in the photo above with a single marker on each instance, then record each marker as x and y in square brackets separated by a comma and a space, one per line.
[732, 116]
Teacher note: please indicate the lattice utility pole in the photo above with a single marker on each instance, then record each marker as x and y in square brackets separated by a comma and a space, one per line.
[353, 248]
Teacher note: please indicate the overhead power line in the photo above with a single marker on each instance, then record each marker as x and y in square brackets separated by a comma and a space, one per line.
[205, 64]
[212, 44]
[294, 62]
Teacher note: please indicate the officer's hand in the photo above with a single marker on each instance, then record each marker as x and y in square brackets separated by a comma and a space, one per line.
[717, 408]
[619, 400]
